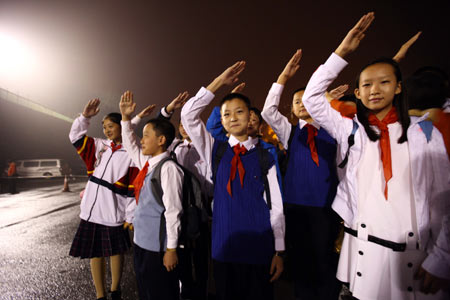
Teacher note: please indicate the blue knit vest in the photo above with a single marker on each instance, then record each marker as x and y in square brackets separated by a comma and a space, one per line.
[241, 229]
[149, 226]
[305, 183]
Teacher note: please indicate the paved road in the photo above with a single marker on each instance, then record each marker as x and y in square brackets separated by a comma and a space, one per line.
[36, 230]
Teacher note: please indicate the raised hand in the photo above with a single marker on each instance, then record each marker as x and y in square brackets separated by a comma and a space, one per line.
[127, 106]
[178, 102]
[351, 41]
[91, 108]
[228, 77]
[338, 92]
[147, 111]
[404, 48]
[239, 88]
[291, 68]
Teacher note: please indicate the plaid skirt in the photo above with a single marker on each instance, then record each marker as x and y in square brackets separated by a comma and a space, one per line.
[96, 240]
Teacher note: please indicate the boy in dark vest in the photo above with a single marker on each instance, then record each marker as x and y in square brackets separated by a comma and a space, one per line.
[156, 226]
[309, 185]
[247, 229]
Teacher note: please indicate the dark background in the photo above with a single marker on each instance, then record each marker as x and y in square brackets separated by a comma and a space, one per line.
[87, 49]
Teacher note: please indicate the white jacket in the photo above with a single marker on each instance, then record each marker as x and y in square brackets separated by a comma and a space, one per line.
[430, 169]
[108, 198]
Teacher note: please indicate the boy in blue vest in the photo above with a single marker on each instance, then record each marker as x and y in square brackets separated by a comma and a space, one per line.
[309, 186]
[247, 235]
[156, 226]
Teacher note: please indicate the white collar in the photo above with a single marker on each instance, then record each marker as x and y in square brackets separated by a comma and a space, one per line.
[248, 144]
[153, 161]
[302, 123]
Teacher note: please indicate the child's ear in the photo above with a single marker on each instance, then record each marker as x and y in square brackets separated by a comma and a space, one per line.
[398, 89]
[357, 95]
[161, 140]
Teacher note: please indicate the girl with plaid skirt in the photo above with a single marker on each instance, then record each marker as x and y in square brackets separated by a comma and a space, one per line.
[108, 200]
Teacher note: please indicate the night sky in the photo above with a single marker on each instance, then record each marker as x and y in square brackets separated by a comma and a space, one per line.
[79, 50]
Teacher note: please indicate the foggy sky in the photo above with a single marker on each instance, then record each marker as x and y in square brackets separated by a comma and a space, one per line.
[88, 49]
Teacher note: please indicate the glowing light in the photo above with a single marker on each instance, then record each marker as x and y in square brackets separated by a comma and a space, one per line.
[15, 58]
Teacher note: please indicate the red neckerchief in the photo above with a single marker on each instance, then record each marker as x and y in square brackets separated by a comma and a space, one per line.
[236, 164]
[139, 181]
[385, 144]
[312, 132]
[115, 147]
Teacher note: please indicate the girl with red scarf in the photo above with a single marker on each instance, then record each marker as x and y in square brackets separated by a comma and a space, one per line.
[394, 194]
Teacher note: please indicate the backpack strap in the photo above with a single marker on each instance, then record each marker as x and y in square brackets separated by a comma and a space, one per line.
[156, 180]
[263, 156]
[351, 142]
[172, 153]
[221, 148]
[291, 135]
[427, 128]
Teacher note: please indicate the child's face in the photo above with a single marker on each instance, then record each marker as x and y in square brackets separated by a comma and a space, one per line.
[151, 144]
[378, 86]
[297, 106]
[183, 132]
[235, 116]
[112, 130]
[253, 125]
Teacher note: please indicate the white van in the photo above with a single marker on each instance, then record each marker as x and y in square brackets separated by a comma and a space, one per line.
[51, 167]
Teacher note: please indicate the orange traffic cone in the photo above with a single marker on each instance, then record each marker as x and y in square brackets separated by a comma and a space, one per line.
[66, 185]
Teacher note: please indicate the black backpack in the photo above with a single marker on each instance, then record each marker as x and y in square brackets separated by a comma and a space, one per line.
[192, 202]
[263, 156]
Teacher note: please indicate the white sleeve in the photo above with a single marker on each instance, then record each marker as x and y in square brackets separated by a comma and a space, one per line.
[135, 121]
[172, 186]
[276, 213]
[279, 123]
[193, 125]
[317, 104]
[438, 260]
[79, 128]
[131, 144]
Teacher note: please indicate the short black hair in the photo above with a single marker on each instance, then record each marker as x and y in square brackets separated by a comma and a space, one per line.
[165, 128]
[298, 90]
[239, 96]
[113, 117]
[349, 97]
[427, 88]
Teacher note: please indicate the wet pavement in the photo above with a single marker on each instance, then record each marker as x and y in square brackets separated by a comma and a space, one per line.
[37, 226]
[36, 231]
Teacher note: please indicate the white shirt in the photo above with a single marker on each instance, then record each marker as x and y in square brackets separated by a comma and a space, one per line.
[171, 182]
[204, 142]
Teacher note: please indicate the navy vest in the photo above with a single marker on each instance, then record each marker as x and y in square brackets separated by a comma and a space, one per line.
[305, 183]
[241, 228]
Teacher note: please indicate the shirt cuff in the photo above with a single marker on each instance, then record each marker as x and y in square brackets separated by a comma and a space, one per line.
[277, 88]
[83, 118]
[436, 267]
[204, 93]
[335, 63]
[279, 244]
[165, 113]
[172, 243]
[125, 123]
